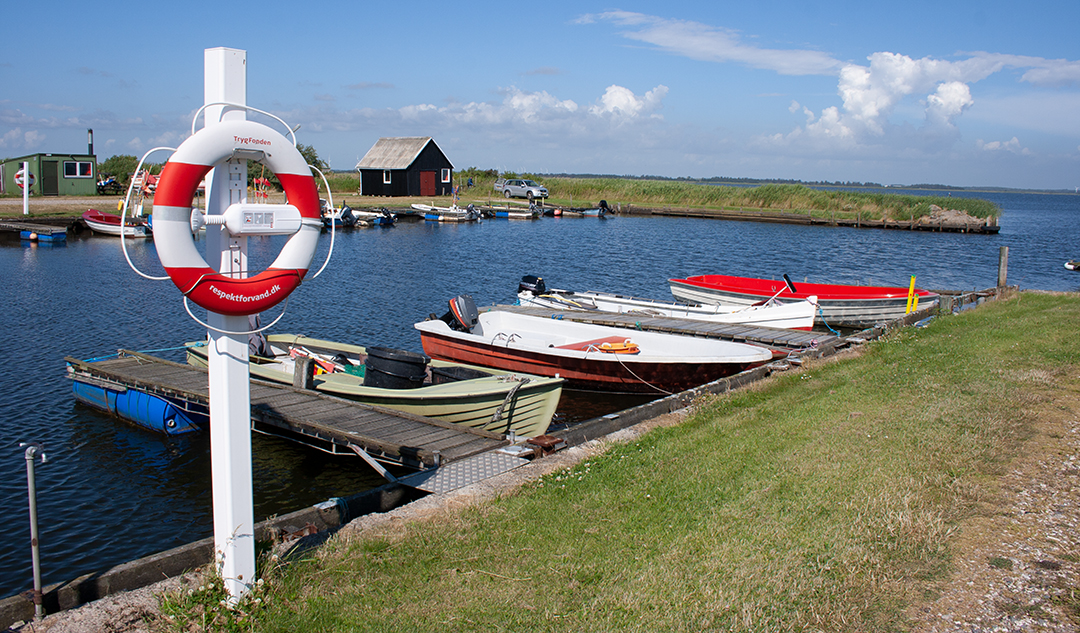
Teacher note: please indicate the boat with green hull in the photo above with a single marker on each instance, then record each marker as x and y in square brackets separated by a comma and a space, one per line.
[477, 397]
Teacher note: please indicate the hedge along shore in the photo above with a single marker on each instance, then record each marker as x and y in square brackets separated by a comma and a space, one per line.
[975, 529]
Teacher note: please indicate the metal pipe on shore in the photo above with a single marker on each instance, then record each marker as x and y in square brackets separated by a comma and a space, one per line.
[33, 449]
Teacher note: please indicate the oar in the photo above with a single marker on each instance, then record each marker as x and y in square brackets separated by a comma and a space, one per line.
[788, 286]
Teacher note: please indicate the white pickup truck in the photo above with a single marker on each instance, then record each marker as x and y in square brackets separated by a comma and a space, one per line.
[520, 188]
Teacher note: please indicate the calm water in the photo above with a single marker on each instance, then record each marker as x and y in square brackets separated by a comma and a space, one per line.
[111, 493]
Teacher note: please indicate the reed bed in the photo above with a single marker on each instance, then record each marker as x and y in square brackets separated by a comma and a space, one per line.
[788, 198]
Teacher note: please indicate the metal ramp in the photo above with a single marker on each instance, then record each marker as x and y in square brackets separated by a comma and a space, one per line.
[454, 475]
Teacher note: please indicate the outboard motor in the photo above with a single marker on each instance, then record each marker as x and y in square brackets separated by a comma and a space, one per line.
[463, 315]
[347, 217]
[603, 207]
[533, 284]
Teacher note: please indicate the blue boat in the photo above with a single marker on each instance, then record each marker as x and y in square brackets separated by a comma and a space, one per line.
[347, 217]
[149, 411]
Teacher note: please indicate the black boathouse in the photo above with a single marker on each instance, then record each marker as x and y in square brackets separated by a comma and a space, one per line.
[405, 166]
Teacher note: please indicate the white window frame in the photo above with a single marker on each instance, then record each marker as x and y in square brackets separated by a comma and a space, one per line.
[386, 177]
[445, 175]
[78, 164]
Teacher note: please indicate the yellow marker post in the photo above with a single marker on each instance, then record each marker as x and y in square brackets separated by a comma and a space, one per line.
[912, 298]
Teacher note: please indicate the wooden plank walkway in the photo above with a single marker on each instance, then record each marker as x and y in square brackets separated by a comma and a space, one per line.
[326, 422]
[15, 226]
[774, 338]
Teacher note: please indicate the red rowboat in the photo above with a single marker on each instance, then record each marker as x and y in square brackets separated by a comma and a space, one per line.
[109, 224]
[839, 305]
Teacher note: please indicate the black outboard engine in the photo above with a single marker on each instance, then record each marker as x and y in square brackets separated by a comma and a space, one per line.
[603, 207]
[347, 217]
[463, 315]
[533, 284]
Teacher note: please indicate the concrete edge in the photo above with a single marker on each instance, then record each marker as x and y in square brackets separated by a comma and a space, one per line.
[148, 570]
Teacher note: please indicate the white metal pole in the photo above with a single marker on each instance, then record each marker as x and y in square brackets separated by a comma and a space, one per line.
[34, 450]
[230, 398]
[26, 188]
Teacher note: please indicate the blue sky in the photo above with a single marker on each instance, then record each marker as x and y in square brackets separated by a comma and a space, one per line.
[986, 94]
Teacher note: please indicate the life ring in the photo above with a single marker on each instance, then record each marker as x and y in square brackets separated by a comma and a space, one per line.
[176, 187]
[20, 179]
[625, 347]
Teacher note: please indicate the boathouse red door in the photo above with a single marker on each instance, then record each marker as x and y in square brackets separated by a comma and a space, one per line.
[427, 183]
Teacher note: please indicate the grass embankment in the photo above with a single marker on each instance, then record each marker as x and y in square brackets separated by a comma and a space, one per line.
[824, 499]
[799, 199]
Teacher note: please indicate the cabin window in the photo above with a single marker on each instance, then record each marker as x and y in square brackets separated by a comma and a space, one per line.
[78, 169]
[386, 177]
[446, 175]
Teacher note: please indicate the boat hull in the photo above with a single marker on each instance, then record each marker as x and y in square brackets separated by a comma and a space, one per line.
[839, 305]
[518, 343]
[796, 315]
[527, 402]
[447, 214]
[109, 224]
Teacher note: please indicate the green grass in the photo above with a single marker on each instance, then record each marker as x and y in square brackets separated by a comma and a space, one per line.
[823, 500]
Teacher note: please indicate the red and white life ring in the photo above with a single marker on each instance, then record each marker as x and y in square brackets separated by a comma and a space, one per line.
[20, 179]
[173, 239]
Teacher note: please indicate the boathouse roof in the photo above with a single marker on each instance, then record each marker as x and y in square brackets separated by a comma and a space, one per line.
[396, 152]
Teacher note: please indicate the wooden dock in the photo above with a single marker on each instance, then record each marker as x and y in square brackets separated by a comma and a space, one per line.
[48, 232]
[331, 424]
[777, 339]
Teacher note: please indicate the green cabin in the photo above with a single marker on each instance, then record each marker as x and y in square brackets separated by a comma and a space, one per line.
[54, 174]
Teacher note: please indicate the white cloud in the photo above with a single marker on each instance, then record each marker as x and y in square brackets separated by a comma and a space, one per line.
[871, 95]
[1012, 145]
[531, 106]
[416, 111]
[620, 101]
[1055, 73]
[893, 104]
[714, 44]
[543, 112]
[18, 139]
[947, 102]
[1042, 72]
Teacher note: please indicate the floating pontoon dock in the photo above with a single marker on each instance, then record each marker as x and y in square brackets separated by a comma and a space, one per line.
[39, 231]
[331, 424]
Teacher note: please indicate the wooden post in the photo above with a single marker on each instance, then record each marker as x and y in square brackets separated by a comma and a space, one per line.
[1003, 266]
